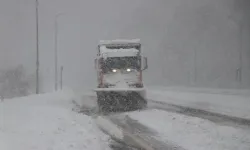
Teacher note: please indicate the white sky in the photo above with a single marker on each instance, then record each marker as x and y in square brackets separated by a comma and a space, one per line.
[176, 25]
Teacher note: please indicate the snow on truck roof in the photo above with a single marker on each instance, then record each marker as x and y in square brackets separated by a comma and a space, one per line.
[120, 41]
[118, 52]
[105, 50]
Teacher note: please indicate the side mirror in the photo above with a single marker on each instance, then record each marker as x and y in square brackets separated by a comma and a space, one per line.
[144, 63]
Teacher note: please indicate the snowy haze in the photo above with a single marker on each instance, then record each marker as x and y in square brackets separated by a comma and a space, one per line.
[173, 33]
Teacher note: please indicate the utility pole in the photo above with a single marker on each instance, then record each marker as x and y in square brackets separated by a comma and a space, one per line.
[238, 18]
[56, 50]
[61, 77]
[195, 65]
[240, 68]
[37, 48]
[240, 52]
[56, 32]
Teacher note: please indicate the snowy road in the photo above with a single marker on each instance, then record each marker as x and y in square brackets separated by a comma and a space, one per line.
[167, 126]
[90, 108]
[139, 131]
[47, 122]
[235, 103]
[193, 133]
[211, 116]
[166, 130]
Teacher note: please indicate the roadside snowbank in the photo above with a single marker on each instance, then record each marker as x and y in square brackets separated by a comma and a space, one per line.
[193, 133]
[86, 99]
[231, 104]
[47, 122]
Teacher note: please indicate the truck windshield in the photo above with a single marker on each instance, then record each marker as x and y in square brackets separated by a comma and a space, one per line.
[121, 63]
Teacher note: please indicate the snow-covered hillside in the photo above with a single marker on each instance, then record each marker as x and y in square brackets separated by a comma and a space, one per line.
[47, 122]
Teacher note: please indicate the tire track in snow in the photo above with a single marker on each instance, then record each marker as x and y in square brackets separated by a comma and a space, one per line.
[142, 132]
[136, 135]
[214, 117]
[145, 136]
[94, 113]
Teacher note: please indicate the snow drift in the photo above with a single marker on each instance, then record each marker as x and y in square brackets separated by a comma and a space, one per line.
[47, 121]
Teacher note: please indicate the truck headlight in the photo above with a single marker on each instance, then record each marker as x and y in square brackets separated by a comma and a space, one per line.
[114, 70]
[128, 70]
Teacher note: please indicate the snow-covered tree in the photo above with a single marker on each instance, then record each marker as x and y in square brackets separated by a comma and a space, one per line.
[14, 82]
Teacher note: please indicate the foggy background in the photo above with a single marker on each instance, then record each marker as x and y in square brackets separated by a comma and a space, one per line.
[187, 42]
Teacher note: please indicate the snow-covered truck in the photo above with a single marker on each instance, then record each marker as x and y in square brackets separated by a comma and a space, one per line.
[119, 65]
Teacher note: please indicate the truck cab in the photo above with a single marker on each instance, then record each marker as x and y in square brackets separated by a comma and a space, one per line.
[120, 65]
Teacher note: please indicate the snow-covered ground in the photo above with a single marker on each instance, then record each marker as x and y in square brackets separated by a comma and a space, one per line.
[86, 99]
[234, 103]
[188, 132]
[193, 133]
[47, 122]
[242, 92]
